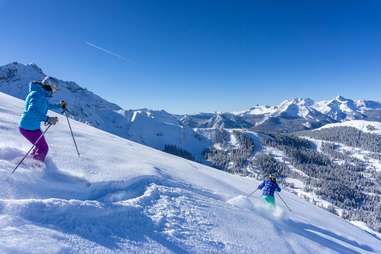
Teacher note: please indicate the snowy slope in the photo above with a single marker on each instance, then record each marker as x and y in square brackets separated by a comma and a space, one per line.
[362, 125]
[159, 128]
[123, 197]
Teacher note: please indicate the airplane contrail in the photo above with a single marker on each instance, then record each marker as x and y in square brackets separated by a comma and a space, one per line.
[106, 51]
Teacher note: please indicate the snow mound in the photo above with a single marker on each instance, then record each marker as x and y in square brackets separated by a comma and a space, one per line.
[123, 197]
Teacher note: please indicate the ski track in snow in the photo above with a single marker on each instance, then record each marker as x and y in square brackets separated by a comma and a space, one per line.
[122, 197]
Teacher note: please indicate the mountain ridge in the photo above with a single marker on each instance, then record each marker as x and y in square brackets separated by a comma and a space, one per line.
[336, 106]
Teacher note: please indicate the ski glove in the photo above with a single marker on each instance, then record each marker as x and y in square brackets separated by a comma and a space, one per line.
[63, 104]
[51, 120]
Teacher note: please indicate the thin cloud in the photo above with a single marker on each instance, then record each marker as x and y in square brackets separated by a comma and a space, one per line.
[107, 51]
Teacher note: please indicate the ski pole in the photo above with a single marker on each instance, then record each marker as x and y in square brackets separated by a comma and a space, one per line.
[35, 143]
[251, 193]
[284, 202]
[71, 132]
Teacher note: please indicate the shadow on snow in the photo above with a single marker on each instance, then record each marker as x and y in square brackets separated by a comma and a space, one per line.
[321, 236]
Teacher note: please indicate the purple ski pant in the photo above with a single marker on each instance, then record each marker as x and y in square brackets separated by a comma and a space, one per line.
[41, 148]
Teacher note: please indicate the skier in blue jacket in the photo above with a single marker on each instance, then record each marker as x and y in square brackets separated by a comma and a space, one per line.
[268, 187]
[35, 112]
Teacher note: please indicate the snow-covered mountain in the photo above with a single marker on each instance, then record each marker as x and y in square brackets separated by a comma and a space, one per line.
[296, 108]
[214, 120]
[341, 109]
[290, 115]
[142, 125]
[159, 128]
[338, 109]
[123, 197]
[85, 106]
[293, 115]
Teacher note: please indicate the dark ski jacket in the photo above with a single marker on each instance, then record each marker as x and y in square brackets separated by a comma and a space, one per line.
[268, 187]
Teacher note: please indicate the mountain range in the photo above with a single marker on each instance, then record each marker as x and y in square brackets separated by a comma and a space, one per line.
[158, 127]
[308, 144]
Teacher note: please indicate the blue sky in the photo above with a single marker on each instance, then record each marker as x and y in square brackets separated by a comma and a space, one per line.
[199, 55]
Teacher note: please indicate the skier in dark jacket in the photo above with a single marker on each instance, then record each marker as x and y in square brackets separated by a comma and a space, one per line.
[35, 112]
[268, 187]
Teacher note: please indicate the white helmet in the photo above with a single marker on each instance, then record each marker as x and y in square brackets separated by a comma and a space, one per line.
[50, 82]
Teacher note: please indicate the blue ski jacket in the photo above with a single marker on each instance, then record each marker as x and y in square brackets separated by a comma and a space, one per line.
[268, 187]
[36, 107]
